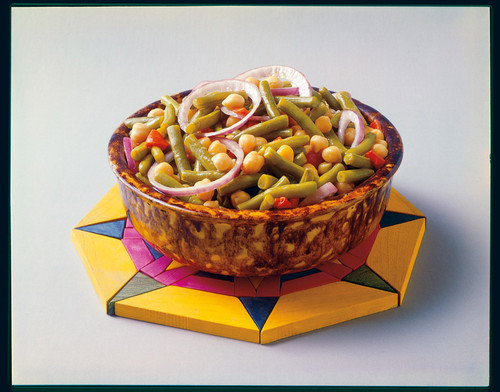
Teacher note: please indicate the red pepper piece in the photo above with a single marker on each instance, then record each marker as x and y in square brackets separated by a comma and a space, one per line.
[282, 203]
[294, 201]
[314, 158]
[375, 124]
[241, 111]
[155, 139]
[377, 161]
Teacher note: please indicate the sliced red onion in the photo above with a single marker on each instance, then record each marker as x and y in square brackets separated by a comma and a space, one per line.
[295, 77]
[285, 91]
[220, 85]
[229, 112]
[169, 156]
[127, 147]
[194, 190]
[346, 117]
[321, 194]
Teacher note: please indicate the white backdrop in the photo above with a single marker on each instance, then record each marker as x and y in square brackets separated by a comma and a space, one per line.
[78, 72]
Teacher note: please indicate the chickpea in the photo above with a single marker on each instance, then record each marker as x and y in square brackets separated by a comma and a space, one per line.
[233, 101]
[239, 197]
[252, 163]
[205, 142]
[318, 143]
[253, 80]
[383, 142]
[350, 133]
[379, 134]
[332, 154]
[311, 166]
[205, 196]
[247, 143]
[299, 132]
[274, 82]
[323, 123]
[216, 147]
[231, 121]
[344, 187]
[164, 167]
[211, 203]
[259, 141]
[222, 161]
[138, 133]
[380, 150]
[156, 112]
[323, 167]
[286, 152]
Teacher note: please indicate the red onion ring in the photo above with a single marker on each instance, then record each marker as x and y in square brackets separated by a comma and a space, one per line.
[295, 77]
[229, 112]
[346, 117]
[194, 190]
[127, 148]
[203, 89]
[285, 91]
[321, 194]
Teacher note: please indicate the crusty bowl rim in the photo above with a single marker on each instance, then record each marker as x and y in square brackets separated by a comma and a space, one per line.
[382, 175]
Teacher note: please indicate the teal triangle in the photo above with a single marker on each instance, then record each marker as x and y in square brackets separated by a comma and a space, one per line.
[259, 308]
[139, 284]
[111, 229]
[365, 276]
[391, 218]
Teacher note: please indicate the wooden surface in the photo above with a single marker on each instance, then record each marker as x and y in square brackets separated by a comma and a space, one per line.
[135, 281]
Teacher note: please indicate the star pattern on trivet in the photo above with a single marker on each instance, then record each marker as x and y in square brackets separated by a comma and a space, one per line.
[137, 281]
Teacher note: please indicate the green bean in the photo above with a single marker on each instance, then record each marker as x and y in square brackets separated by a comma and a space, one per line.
[177, 144]
[146, 164]
[357, 161]
[301, 102]
[243, 181]
[191, 176]
[287, 132]
[331, 175]
[255, 201]
[354, 175]
[309, 175]
[197, 166]
[282, 164]
[199, 152]
[266, 181]
[139, 152]
[260, 129]
[129, 122]
[292, 141]
[168, 181]
[335, 119]
[143, 178]
[365, 145]
[345, 100]
[203, 122]
[316, 94]
[158, 154]
[168, 119]
[299, 116]
[168, 100]
[155, 122]
[268, 99]
[330, 99]
[294, 190]
[267, 202]
[211, 100]
[318, 111]
[333, 140]
[300, 159]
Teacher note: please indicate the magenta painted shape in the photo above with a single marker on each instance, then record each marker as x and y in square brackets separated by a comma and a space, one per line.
[171, 276]
[363, 250]
[157, 266]
[128, 223]
[352, 261]
[138, 252]
[307, 282]
[130, 232]
[335, 269]
[269, 287]
[244, 288]
[217, 286]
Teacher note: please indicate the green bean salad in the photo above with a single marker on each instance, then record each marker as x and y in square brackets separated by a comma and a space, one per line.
[264, 139]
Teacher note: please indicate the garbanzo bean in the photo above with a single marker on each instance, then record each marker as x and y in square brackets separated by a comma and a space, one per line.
[286, 152]
[205, 142]
[350, 133]
[164, 167]
[139, 133]
[156, 112]
[380, 150]
[318, 143]
[205, 196]
[233, 101]
[252, 163]
[323, 123]
[274, 82]
[332, 154]
[216, 147]
[260, 141]
[323, 167]
[247, 143]
[222, 161]
[239, 197]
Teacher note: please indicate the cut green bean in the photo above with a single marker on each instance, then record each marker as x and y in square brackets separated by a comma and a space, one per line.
[146, 164]
[168, 119]
[357, 161]
[168, 100]
[318, 111]
[143, 178]
[266, 181]
[299, 116]
[265, 127]
[292, 141]
[365, 145]
[283, 133]
[254, 202]
[197, 166]
[157, 154]
[309, 175]
[354, 175]
[330, 99]
[191, 176]
[268, 99]
[267, 202]
[331, 175]
[301, 102]
[346, 102]
[335, 119]
[241, 182]
[129, 122]
[155, 122]
[211, 100]
[333, 140]
[282, 164]
[139, 152]
[177, 144]
[204, 122]
[294, 190]
[300, 159]
[199, 152]
[168, 181]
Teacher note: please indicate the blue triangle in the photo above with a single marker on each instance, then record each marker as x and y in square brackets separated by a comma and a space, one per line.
[111, 229]
[391, 218]
[295, 275]
[259, 308]
[153, 251]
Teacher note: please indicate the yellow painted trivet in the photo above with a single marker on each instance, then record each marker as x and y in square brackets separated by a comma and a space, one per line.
[133, 280]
